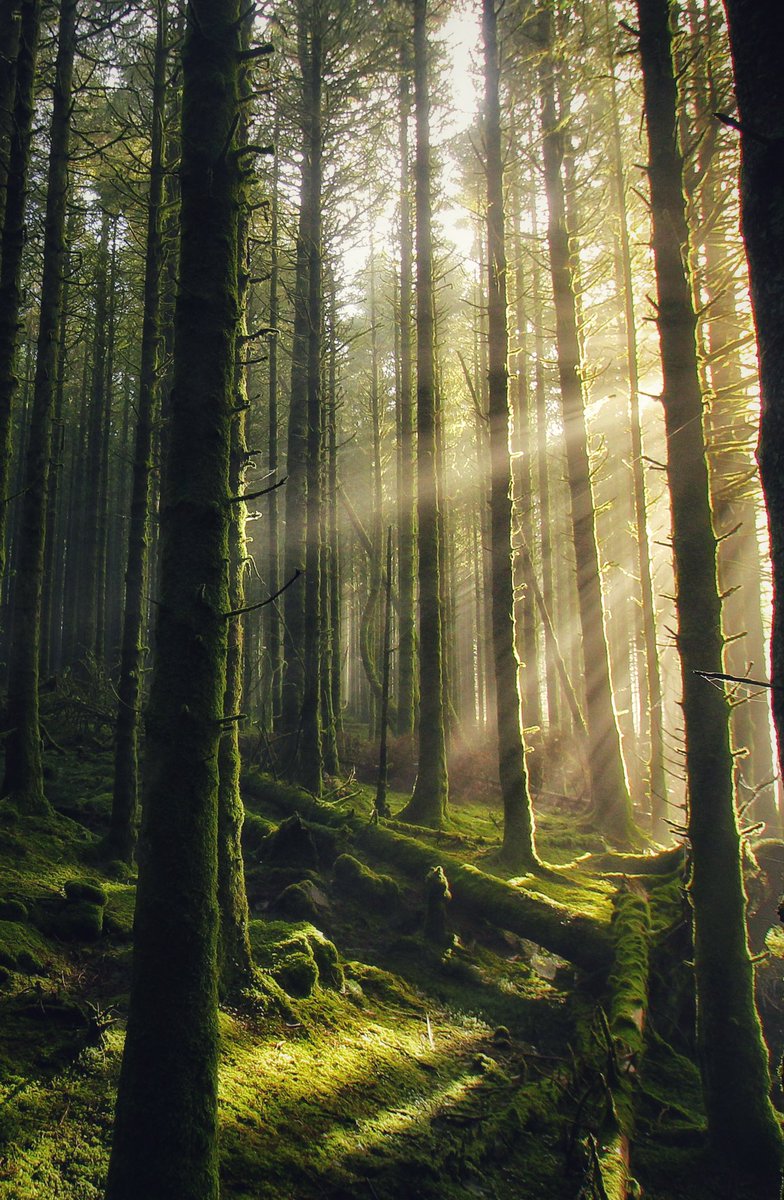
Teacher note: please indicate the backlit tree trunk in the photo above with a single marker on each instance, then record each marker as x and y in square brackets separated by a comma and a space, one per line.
[733, 1059]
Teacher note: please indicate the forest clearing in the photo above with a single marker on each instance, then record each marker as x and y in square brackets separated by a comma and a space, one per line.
[391, 552]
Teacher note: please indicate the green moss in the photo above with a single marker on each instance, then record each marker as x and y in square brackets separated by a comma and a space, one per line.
[79, 921]
[85, 889]
[297, 956]
[296, 903]
[23, 948]
[118, 914]
[13, 910]
[254, 830]
[354, 879]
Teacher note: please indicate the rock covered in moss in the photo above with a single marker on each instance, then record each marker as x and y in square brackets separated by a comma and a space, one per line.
[87, 890]
[79, 921]
[297, 957]
[359, 882]
[291, 845]
[296, 903]
[301, 901]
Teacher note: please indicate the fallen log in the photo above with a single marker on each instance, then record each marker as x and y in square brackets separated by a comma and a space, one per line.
[561, 930]
[624, 1029]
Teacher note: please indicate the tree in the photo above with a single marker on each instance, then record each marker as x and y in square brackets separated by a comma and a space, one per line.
[741, 1122]
[24, 779]
[428, 803]
[755, 32]
[518, 844]
[609, 788]
[122, 834]
[165, 1131]
[12, 231]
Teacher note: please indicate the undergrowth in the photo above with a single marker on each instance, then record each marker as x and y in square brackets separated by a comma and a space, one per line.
[372, 1063]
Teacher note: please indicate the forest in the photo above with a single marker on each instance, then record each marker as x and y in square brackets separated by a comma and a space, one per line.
[391, 633]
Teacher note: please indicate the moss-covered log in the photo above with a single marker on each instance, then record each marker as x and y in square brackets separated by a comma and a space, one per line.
[625, 1025]
[563, 931]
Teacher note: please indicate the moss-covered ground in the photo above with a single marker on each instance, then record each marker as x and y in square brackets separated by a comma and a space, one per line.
[369, 1063]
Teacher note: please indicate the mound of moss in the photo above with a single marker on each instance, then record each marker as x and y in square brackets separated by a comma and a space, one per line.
[298, 956]
[359, 882]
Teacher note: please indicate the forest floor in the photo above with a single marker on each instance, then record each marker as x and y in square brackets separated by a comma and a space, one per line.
[375, 1063]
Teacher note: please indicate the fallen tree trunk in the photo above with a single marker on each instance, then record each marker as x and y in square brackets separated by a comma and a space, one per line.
[624, 1026]
[561, 930]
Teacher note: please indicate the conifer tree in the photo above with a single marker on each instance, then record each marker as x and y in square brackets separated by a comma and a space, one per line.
[733, 1059]
[429, 801]
[23, 766]
[518, 843]
[165, 1140]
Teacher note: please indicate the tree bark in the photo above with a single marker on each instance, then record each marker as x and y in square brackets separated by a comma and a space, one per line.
[165, 1140]
[24, 779]
[612, 812]
[13, 236]
[518, 837]
[429, 801]
[406, 654]
[122, 831]
[733, 1059]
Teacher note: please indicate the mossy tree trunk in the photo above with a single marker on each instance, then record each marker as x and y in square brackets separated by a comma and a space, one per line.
[309, 761]
[551, 652]
[733, 1059]
[122, 831]
[89, 549]
[518, 838]
[406, 654]
[611, 802]
[13, 232]
[165, 1140]
[294, 551]
[429, 801]
[652, 699]
[274, 639]
[235, 961]
[24, 779]
[334, 557]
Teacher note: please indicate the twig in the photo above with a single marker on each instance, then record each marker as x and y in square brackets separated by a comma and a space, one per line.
[238, 612]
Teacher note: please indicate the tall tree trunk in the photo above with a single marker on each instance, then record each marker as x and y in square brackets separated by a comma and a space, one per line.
[611, 802]
[91, 491]
[165, 1138]
[518, 839]
[334, 619]
[274, 639]
[310, 759]
[56, 510]
[24, 779]
[429, 802]
[652, 693]
[730, 430]
[13, 236]
[733, 1059]
[10, 28]
[122, 831]
[406, 653]
[551, 651]
[294, 553]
